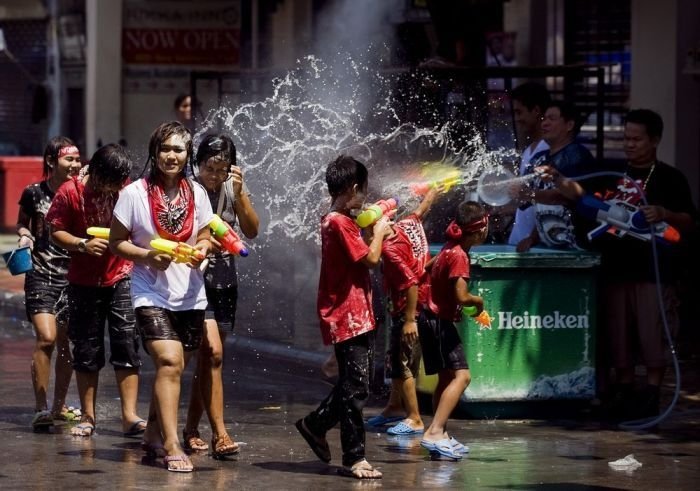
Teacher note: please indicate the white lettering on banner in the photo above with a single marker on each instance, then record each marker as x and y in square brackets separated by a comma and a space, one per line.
[555, 320]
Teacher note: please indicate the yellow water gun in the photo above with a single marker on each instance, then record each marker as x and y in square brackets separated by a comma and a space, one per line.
[181, 252]
[99, 232]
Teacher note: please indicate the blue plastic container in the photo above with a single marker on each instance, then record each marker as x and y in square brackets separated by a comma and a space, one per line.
[18, 260]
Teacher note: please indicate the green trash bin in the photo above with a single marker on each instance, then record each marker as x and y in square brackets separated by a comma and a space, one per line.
[541, 343]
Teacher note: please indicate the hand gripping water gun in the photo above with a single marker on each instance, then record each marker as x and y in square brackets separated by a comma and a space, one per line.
[181, 252]
[374, 212]
[483, 319]
[621, 218]
[228, 238]
[99, 232]
[422, 188]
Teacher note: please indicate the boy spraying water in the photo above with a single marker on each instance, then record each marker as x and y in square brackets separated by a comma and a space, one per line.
[405, 255]
[346, 317]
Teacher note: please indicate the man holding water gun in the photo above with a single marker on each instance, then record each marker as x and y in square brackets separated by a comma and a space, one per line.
[631, 315]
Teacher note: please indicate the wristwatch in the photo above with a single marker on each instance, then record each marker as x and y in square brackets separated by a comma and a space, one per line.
[82, 245]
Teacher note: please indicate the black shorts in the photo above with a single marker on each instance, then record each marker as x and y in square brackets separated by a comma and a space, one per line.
[90, 307]
[186, 326]
[222, 306]
[45, 294]
[441, 344]
[404, 359]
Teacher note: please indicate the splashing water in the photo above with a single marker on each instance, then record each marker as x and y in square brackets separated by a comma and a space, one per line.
[284, 144]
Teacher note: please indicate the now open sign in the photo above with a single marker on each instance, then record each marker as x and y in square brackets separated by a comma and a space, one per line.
[181, 46]
[181, 33]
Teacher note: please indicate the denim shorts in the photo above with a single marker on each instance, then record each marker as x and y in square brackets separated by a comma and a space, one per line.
[45, 294]
[90, 307]
[222, 306]
[186, 326]
[441, 344]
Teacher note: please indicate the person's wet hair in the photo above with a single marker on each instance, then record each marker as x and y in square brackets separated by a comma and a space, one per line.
[468, 212]
[651, 121]
[159, 135]
[343, 173]
[54, 146]
[110, 165]
[220, 147]
[531, 95]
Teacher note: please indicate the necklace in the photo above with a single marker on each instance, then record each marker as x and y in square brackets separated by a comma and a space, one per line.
[646, 181]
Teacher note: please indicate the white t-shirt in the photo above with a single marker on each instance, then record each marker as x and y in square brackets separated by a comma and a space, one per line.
[525, 219]
[179, 287]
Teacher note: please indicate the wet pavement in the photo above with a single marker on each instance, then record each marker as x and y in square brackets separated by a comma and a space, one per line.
[268, 387]
[265, 396]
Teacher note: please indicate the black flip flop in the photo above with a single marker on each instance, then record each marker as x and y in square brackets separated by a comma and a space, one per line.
[322, 451]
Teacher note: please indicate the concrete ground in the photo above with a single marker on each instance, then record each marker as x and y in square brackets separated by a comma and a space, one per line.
[269, 387]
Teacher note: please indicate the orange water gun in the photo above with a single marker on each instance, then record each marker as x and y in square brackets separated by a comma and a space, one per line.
[229, 239]
[181, 252]
[372, 213]
[483, 319]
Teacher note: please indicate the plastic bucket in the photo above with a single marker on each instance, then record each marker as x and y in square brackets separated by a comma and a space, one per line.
[18, 261]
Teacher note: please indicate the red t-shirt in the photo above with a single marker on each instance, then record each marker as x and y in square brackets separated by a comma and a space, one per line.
[451, 263]
[405, 256]
[74, 209]
[344, 291]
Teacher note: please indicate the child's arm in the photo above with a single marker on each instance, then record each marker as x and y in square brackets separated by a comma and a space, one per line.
[465, 298]
[410, 328]
[424, 207]
[380, 230]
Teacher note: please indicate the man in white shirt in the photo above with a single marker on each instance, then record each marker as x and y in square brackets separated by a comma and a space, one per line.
[529, 103]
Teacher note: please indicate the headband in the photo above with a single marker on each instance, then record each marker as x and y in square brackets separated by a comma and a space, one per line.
[455, 232]
[69, 150]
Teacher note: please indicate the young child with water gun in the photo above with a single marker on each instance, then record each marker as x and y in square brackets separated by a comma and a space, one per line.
[405, 254]
[45, 283]
[443, 352]
[222, 179]
[346, 317]
[99, 287]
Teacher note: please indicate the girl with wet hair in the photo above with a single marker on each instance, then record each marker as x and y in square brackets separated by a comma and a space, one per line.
[222, 178]
[45, 284]
[168, 296]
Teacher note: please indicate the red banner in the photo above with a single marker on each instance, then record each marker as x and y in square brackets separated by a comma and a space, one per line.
[181, 46]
